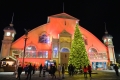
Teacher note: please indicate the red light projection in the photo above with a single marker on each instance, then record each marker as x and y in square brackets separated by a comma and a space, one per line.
[53, 28]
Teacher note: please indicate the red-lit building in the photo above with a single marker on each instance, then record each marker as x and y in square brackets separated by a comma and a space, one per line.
[52, 41]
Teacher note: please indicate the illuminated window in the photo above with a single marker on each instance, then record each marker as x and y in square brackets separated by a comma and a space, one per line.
[30, 52]
[104, 55]
[44, 38]
[48, 20]
[105, 40]
[100, 56]
[109, 40]
[55, 52]
[43, 54]
[93, 53]
[40, 54]
[8, 34]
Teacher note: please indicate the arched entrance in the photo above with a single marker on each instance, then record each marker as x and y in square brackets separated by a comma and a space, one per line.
[64, 52]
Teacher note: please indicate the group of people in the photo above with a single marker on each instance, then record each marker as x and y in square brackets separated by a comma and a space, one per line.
[85, 70]
[52, 69]
[28, 71]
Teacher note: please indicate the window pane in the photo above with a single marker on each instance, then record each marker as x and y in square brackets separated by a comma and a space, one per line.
[93, 53]
[45, 54]
[31, 52]
[40, 54]
[34, 54]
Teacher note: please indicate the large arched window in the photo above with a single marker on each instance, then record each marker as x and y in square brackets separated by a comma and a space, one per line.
[44, 38]
[93, 53]
[65, 50]
[31, 52]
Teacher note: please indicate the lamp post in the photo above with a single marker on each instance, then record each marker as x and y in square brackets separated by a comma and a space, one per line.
[26, 37]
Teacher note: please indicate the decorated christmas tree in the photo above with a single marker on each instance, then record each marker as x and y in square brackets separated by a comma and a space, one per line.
[78, 55]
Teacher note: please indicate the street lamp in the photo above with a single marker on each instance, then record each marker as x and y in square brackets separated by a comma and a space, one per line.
[26, 37]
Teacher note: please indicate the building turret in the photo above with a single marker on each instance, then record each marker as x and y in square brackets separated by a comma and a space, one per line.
[107, 39]
[9, 33]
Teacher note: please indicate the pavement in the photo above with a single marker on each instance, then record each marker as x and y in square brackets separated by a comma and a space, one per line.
[101, 75]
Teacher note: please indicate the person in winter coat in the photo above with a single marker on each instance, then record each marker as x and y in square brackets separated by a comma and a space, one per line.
[116, 70]
[59, 70]
[44, 70]
[71, 69]
[30, 68]
[63, 71]
[40, 70]
[89, 70]
[85, 71]
[53, 70]
[19, 71]
[26, 69]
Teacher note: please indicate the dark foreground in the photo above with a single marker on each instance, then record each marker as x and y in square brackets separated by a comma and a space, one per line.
[101, 75]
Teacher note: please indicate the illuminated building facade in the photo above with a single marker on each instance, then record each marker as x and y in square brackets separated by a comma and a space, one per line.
[52, 41]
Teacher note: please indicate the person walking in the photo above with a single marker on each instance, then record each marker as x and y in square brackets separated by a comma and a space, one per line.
[30, 68]
[53, 70]
[40, 70]
[63, 71]
[26, 69]
[70, 70]
[19, 71]
[59, 70]
[89, 70]
[116, 70]
[44, 70]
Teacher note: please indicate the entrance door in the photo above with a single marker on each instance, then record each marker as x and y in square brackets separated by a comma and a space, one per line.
[64, 59]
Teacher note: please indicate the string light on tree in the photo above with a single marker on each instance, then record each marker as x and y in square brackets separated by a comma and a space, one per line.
[78, 55]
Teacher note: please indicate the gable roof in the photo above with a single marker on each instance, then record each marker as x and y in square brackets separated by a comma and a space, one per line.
[10, 58]
[65, 32]
[64, 15]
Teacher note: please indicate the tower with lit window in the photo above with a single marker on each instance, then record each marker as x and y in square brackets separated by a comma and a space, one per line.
[9, 33]
[107, 39]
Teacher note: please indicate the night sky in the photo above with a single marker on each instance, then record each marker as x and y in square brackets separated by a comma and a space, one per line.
[92, 15]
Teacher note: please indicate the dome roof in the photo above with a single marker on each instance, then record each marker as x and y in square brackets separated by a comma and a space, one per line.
[9, 27]
[107, 35]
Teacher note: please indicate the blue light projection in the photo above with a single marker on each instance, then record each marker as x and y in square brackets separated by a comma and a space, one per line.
[55, 52]
[66, 50]
[44, 39]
